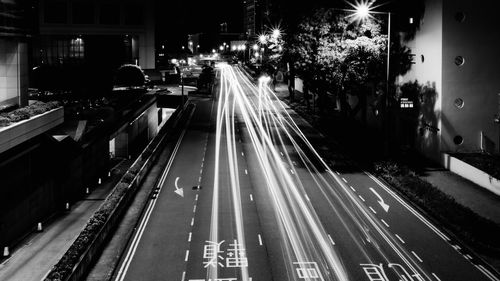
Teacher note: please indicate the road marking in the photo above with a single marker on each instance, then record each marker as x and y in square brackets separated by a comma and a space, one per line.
[418, 258]
[291, 171]
[203, 160]
[196, 198]
[400, 239]
[187, 255]
[467, 256]
[372, 210]
[242, 154]
[435, 276]
[331, 240]
[362, 199]
[189, 238]
[281, 153]
[201, 171]
[344, 180]
[383, 221]
[487, 273]
[352, 188]
[251, 197]
[201, 164]
[307, 198]
[260, 239]
[337, 173]
[246, 172]
[192, 221]
[194, 209]
[138, 235]
[408, 207]
[380, 200]
[294, 163]
[199, 179]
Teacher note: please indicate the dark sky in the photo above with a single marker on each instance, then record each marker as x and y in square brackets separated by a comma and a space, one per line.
[177, 18]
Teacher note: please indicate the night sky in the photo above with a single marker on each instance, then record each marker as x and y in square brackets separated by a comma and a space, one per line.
[177, 18]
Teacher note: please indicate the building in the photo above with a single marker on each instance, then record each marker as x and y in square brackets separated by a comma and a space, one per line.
[456, 70]
[252, 18]
[16, 28]
[102, 32]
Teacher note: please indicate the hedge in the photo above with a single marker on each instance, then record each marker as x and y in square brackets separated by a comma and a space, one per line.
[461, 220]
[23, 113]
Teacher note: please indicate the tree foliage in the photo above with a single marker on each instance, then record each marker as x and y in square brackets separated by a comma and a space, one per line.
[332, 53]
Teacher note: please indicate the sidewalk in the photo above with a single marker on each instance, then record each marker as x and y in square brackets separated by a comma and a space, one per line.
[33, 259]
[465, 192]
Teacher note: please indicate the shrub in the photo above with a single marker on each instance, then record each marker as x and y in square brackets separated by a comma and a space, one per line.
[4, 121]
[130, 75]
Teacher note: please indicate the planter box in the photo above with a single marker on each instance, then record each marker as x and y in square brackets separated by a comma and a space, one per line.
[471, 173]
[24, 130]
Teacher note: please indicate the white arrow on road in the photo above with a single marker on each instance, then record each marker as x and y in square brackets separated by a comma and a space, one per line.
[380, 200]
[178, 190]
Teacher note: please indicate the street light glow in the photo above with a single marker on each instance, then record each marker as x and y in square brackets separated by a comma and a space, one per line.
[262, 39]
[362, 10]
[255, 47]
[276, 33]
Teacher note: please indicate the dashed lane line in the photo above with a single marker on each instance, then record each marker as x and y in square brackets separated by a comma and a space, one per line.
[361, 197]
[435, 276]
[331, 240]
[187, 256]
[192, 221]
[260, 239]
[344, 180]
[418, 258]
[383, 221]
[352, 188]
[371, 209]
[400, 239]
[251, 197]
[190, 235]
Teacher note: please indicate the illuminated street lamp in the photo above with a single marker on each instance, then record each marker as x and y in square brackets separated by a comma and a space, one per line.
[363, 10]
[255, 47]
[262, 39]
[221, 47]
[276, 33]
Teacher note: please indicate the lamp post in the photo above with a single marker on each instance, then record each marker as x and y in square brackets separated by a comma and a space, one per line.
[363, 11]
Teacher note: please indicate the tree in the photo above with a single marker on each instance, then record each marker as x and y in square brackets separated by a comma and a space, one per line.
[332, 53]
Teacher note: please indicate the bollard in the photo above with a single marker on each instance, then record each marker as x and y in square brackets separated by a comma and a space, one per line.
[109, 174]
[99, 181]
[39, 227]
[67, 206]
[6, 251]
[87, 191]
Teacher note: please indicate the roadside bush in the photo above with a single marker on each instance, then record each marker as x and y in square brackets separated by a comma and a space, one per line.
[4, 121]
[130, 75]
[461, 220]
[27, 112]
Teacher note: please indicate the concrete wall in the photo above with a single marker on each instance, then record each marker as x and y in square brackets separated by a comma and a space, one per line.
[427, 72]
[13, 72]
[476, 82]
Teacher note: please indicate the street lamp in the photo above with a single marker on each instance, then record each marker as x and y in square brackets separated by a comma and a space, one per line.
[362, 12]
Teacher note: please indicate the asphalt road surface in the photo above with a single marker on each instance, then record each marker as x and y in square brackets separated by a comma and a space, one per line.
[246, 197]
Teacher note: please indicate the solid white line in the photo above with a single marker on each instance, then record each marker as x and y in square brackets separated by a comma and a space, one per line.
[362, 199]
[187, 255]
[260, 240]
[372, 210]
[189, 238]
[192, 221]
[487, 273]
[344, 180]
[251, 197]
[246, 172]
[435, 276]
[408, 207]
[352, 188]
[383, 221]
[418, 258]
[400, 239]
[331, 240]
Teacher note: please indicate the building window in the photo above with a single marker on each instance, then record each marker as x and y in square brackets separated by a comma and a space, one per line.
[459, 103]
[134, 15]
[459, 60]
[460, 17]
[77, 48]
[55, 12]
[110, 14]
[83, 13]
[458, 140]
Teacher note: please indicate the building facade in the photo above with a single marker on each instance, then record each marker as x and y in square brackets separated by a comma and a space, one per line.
[96, 31]
[456, 69]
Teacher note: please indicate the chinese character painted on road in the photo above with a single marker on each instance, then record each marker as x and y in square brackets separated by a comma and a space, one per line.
[308, 270]
[236, 256]
[211, 254]
[375, 272]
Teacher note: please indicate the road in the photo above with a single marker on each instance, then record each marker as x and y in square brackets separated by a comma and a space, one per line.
[246, 197]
